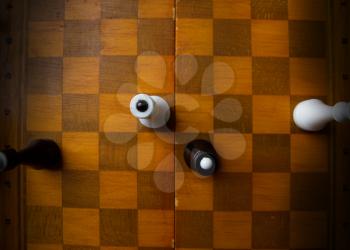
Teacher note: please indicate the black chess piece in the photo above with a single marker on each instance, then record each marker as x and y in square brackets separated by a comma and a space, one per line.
[201, 156]
[42, 153]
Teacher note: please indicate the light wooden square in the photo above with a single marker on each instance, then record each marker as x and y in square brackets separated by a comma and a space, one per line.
[237, 80]
[45, 39]
[271, 191]
[80, 150]
[271, 114]
[44, 247]
[155, 228]
[44, 113]
[194, 36]
[118, 189]
[270, 38]
[307, 10]
[82, 9]
[156, 8]
[115, 113]
[194, 113]
[119, 36]
[232, 9]
[81, 75]
[309, 153]
[232, 230]
[44, 188]
[81, 227]
[308, 77]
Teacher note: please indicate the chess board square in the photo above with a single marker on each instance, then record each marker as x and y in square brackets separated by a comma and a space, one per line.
[234, 151]
[269, 9]
[118, 151]
[271, 191]
[308, 230]
[308, 76]
[119, 8]
[119, 37]
[116, 71]
[80, 189]
[44, 224]
[44, 76]
[237, 80]
[155, 228]
[118, 189]
[80, 112]
[232, 9]
[232, 230]
[232, 37]
[156, 35]
[43, 188]
[118, 227]
[194, 74]
[81, 75]
[81, 38]
[194, 229]
[155, 74]
[46, 10]
[270, 230]
[232, 192]
[309, 153]
[194, 37]
[156, 8]
[71, 247]
[45, 39]
[80, 150]
[149, 194]
[30, 136]
[265, 145]
[81, 226]
[195, 193]
[194, 112]
[194, 9]
[305, 10]
[155, 151]
[270, 38]
[233, 113]
[310, 191]
[82, 9]
[270, 76]
[120, 248]
[45, 113]
[271, 114]
[115, 113]
[307, 39]
[44, 247]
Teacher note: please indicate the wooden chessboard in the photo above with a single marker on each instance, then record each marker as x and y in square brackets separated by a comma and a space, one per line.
[127, 187]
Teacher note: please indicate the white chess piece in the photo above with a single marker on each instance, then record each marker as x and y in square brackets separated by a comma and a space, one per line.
[313, 114]
[152, 111]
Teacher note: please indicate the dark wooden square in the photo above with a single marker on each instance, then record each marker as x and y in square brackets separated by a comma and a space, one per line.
[270, 9]
[119, 8]
[309, 191]
[116, 71]
[80, 112]
[118, 227]
[80, 189]
[194, 9]
[222, 114]
[271, 153]
[270, 76]
[71, 247]
[194, 229]
[232, 37]
[270, 230]
[233, 192]
[81, 38]
[156, 35]
[307, 39]
[44, 76]
[149, 195]
[44, 225]
[46, 10]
